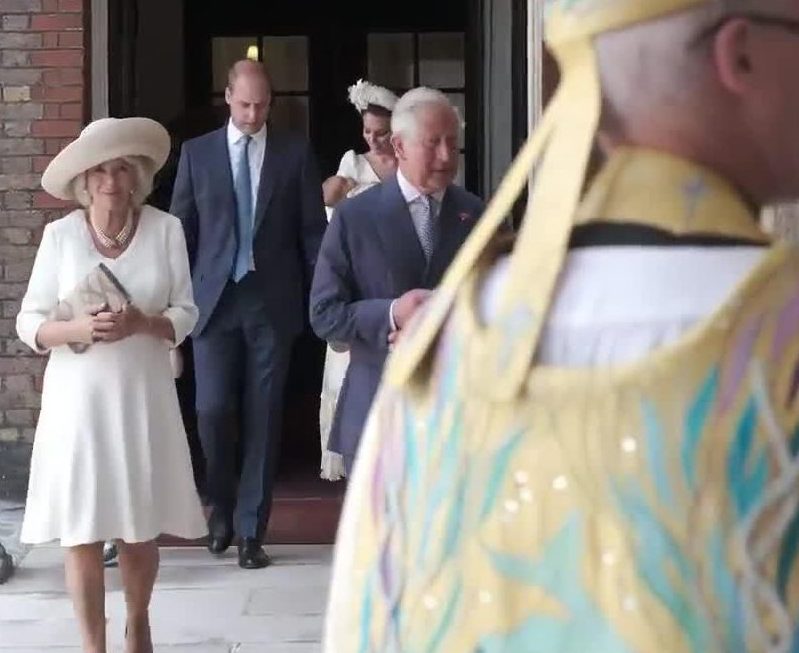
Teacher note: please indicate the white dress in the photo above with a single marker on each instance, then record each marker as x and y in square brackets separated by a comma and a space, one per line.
[110, 457]
[357, 167]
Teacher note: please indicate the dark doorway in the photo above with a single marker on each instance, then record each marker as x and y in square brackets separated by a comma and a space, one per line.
[314, 50]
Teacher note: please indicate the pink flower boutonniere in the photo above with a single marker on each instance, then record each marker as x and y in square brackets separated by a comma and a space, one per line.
[463, 216]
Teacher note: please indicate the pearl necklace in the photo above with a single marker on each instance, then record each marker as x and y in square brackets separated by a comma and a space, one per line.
[118, 241]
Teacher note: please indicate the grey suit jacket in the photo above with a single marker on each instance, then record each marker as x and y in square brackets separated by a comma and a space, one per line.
[371, 255]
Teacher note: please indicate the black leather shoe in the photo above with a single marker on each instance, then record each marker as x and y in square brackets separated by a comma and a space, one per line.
[252, 555]
[217, 545]
[110, 554]
[220, 534]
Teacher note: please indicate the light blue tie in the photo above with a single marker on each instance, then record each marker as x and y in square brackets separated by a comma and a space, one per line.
[243, 188]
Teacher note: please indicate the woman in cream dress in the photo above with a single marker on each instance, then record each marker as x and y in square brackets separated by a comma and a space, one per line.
[110, 458]
[355, 174]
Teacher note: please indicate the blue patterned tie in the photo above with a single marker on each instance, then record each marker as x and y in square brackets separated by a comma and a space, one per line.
[243, 188]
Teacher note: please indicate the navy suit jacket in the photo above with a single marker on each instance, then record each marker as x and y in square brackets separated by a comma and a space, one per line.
[289, 224]
[370, 256]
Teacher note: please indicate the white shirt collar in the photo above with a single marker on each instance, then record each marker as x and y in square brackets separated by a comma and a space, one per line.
[234, 134]
[411, 193]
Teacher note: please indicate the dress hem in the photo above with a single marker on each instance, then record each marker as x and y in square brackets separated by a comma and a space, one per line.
[41, 541]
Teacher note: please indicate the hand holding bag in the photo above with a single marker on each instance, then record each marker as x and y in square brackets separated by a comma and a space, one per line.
[99, 290]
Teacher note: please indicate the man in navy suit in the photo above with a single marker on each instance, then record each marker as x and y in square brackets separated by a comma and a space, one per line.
[250, 201]
[386, 248]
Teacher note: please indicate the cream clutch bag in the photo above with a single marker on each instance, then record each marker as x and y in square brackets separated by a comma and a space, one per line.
[99, 290]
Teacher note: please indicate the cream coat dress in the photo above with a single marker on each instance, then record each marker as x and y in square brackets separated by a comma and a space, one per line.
[110, 457]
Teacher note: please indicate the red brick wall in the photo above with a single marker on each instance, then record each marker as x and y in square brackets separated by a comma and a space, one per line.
[42, 76]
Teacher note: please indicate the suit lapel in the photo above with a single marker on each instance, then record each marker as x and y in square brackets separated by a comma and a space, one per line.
[269, 174]
[222, 175]
[453, 227]
[398, 236]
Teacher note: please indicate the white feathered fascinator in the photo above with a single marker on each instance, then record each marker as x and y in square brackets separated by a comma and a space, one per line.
[362, 94]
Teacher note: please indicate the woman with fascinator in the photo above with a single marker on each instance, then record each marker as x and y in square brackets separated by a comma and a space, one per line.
[110, 457]
[356, 173]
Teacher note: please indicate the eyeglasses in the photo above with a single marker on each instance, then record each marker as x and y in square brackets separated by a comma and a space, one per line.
[779, 22]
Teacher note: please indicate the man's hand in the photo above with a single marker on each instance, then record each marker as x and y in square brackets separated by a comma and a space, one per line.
[408, 304]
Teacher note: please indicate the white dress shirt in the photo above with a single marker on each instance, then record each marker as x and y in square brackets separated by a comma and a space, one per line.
[413, 197]
[415, 201]
[235, 141]
[615, 305]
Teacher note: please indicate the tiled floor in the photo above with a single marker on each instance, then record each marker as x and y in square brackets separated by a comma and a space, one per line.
[201, 604]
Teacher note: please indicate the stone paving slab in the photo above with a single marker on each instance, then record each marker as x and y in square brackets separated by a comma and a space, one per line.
[201, 604]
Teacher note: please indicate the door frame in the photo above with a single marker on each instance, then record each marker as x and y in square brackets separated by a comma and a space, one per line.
[109, 97]
[99, 59]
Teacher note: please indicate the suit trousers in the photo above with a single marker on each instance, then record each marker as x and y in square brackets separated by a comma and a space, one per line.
[241, 363]
[349, 462]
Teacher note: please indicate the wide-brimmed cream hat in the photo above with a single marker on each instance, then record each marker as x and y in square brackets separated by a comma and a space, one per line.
[103, 140]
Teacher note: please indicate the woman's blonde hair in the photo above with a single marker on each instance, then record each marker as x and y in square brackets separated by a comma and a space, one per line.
[142, 187]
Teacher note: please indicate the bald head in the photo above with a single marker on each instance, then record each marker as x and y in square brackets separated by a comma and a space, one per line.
[247, 67]
[249, 95]
[647, 66]
[660, 58]
[705, 84]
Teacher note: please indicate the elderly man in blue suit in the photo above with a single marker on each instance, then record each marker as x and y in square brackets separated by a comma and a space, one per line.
[251, 204]
[386, 248]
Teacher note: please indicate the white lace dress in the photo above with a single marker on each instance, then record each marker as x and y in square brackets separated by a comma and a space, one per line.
[357, 167]
[110, 456]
